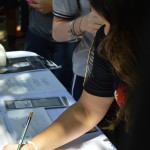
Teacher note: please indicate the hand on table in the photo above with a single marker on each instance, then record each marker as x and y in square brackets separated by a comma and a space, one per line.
[10, 147]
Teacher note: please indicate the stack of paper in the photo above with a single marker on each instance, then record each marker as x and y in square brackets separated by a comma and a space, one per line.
[5, 131]
[40, 120]
[40, 84]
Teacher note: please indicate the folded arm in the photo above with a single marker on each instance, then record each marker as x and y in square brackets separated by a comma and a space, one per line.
[89, 23]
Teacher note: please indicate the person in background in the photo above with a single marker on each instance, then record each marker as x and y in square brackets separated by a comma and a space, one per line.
[10, 10]
[111, 76]
[75, 18]
[39, 40]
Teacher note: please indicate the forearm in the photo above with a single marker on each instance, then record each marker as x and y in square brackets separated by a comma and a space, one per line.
[60, 30]
[89, 23]
[73, 123]
[67, 30]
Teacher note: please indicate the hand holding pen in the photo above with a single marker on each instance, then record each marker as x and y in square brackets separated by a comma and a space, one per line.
[18, 146]
[24, 131]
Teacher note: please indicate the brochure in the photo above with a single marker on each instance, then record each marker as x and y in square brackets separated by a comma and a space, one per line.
[28, 63]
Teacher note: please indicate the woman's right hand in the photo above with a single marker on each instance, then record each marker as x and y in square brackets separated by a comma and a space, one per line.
[10, 147]
[14, 147]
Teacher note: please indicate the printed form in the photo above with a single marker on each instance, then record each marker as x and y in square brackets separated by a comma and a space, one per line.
[5, 135]
[38, 84]
[40, 120]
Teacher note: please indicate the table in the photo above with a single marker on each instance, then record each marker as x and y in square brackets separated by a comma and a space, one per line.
[94, 140]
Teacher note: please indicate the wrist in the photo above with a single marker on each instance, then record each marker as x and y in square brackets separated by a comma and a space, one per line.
[83, 24]
[71, 31]
[75, 30]
[29, 145]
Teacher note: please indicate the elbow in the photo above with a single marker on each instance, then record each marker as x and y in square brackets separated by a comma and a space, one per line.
[56, 35]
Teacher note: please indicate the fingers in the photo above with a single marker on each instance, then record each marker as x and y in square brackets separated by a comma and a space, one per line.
[38, 7]
[95, 19]
[10, 147]
[91, 23]
[34, 5]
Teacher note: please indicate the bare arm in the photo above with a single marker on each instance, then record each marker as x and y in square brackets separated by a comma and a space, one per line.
[75, 121]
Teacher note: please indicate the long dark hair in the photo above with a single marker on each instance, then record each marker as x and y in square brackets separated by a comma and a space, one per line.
[119, 46]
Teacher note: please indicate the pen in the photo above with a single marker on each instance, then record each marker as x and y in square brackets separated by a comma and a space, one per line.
[24, 131]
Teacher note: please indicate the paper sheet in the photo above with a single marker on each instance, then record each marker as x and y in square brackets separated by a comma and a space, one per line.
[91, 141]
[16, 54]
[40, 120]
[29, 85]
[5, 135]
